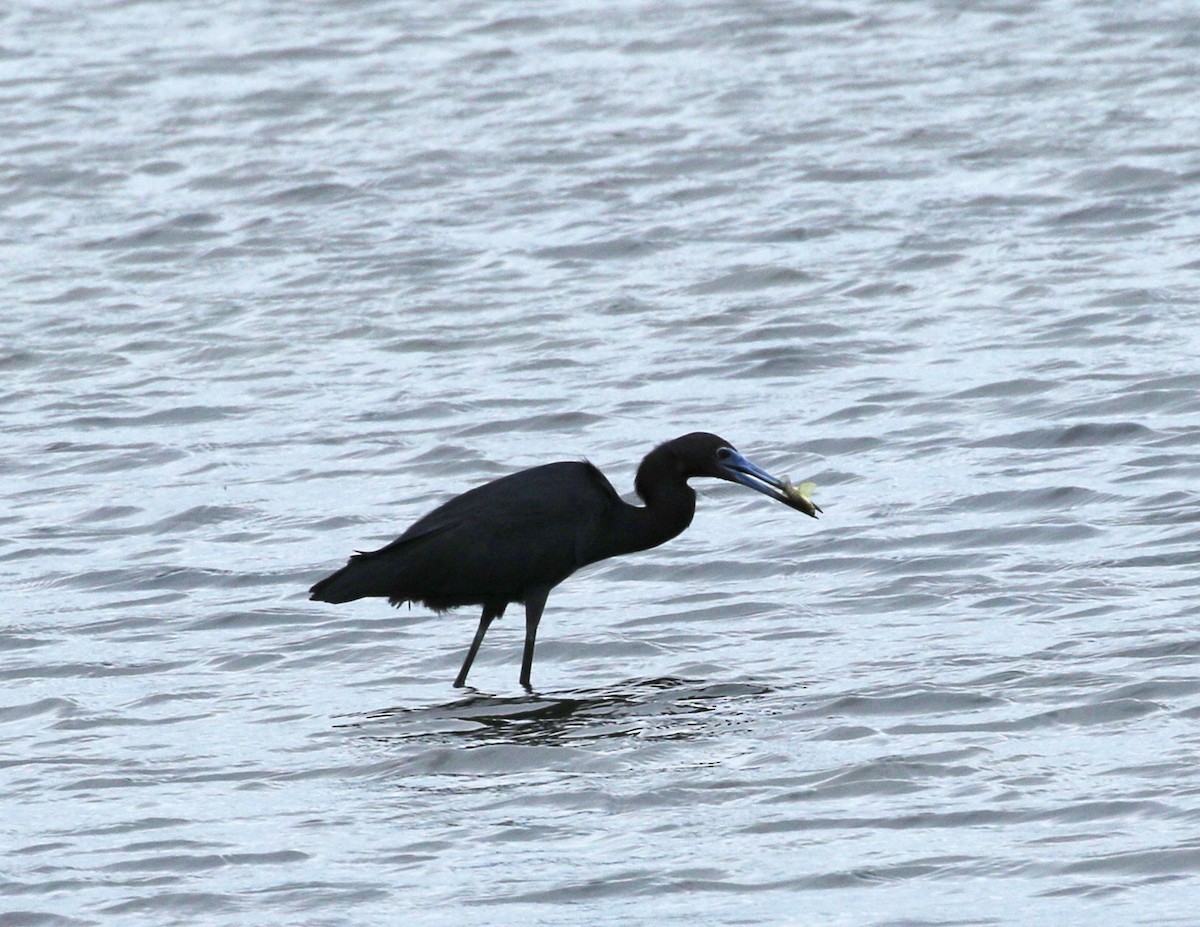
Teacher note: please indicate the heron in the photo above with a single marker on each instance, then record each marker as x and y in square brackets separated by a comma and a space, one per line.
[517, 537]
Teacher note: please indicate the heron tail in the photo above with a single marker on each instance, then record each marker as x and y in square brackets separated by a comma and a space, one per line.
[365, 575]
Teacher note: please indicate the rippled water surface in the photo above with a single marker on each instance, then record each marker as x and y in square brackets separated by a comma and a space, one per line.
[280, 277]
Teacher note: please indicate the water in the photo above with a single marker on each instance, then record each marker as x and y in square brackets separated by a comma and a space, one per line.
[280, 277]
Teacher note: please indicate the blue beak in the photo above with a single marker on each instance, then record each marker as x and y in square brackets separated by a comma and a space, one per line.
[738, 469]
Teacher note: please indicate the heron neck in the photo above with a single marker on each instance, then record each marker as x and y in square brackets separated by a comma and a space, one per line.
[667, 512]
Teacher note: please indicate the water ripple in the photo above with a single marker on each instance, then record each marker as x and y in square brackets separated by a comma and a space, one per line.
[283, 277]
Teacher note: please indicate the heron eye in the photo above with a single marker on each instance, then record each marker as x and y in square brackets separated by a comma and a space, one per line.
[724, 453]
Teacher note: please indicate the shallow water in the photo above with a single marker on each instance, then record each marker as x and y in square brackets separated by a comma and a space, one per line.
[282, 276]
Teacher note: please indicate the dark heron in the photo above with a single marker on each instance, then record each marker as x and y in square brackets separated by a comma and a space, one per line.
[516, 538]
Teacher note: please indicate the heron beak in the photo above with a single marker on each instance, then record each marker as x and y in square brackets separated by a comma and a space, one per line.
[738, 469]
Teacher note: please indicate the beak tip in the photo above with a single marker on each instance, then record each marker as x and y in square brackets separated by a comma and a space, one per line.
[802, 504]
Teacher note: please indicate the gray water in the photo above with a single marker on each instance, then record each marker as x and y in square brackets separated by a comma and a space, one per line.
[280, 277]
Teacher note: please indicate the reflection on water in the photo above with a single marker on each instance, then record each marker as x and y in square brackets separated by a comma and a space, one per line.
[649, 708]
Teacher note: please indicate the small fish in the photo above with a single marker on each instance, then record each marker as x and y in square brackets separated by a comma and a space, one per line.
[798, 496]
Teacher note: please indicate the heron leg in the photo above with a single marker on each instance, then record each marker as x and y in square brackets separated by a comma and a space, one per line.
[490, 613]
[535, 601]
